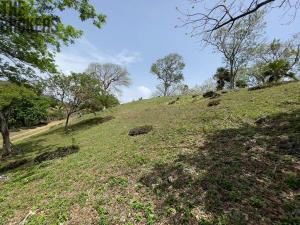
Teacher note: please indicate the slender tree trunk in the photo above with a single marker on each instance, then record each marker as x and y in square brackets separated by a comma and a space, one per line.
[67, 121]
[165, 89]
[232, 76]
[5, 135]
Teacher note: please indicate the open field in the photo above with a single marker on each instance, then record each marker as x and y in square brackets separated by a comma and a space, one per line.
[199, 165]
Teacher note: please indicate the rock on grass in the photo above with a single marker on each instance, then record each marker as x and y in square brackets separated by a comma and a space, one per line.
[140, 130]
[214, 103]
[210, 94]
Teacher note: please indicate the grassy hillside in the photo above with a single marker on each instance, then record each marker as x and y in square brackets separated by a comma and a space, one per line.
[199, 165]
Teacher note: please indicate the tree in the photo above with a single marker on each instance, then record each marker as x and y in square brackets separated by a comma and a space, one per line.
[75, 92]
[213, 15]
[174, 89]
[31, 33]
[11, 95]
[222, 77]
[207, 85]
[169, 71]
[110, 76]
[237, 45]
[30, 112]
[287, 50]
[277, 70]
[241, 83]
[274, 54]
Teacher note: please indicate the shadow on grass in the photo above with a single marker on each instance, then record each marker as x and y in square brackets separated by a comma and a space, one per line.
[81, 125]
[23, 154]
[89, 122]
[248, 175]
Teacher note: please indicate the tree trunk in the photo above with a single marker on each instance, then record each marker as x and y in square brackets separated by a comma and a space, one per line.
[232, 76]
[5, 135]
[165, 89]
[67, 121]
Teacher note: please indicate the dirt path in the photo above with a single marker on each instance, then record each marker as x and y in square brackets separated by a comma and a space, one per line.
[23, 134]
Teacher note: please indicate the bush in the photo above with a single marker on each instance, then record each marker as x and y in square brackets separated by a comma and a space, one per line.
[241, 83]
[277, 70]
[29, 112]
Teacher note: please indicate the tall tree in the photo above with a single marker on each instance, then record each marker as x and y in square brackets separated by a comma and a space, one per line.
[110, 76]
[208, 16]
[75, 92]
[11, 95]
[169, 71]
[275, 56]
[31, 33]
[238, 44]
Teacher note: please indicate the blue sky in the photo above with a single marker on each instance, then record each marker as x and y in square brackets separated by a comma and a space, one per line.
[138, 32]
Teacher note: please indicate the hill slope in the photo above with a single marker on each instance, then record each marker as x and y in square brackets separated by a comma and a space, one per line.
[199, 165]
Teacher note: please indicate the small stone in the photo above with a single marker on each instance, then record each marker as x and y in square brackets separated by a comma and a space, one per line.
[3, 178]
[172, 178]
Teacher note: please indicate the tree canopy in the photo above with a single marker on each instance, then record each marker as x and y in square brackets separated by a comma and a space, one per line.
[75, 92]
[169, 70]
[31, 32]
[110, 76]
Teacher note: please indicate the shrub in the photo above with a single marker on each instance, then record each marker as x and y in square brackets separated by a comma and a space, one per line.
[241, 83]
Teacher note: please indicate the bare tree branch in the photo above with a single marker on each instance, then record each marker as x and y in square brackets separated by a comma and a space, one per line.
[225, 14]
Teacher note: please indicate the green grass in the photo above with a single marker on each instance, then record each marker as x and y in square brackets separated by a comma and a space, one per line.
[199, 165]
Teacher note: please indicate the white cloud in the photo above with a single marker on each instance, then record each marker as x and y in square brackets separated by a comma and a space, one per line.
[76, 58]
[145, 92]
[135, 93]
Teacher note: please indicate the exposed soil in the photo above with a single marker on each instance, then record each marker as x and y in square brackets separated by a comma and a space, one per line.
[13, 165]
[59, 153]
[214, 103]
[140, 130]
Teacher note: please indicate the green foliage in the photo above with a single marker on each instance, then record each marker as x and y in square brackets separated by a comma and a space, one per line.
[108, 100]
[169, 71]
[79, 91]
[182, 135]
[277, 70]
[11, 95]
[222, 76]
[293, 181]
[236, 42]
[31, 32]
[29, 112]
[276, 60]
[241, 83]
